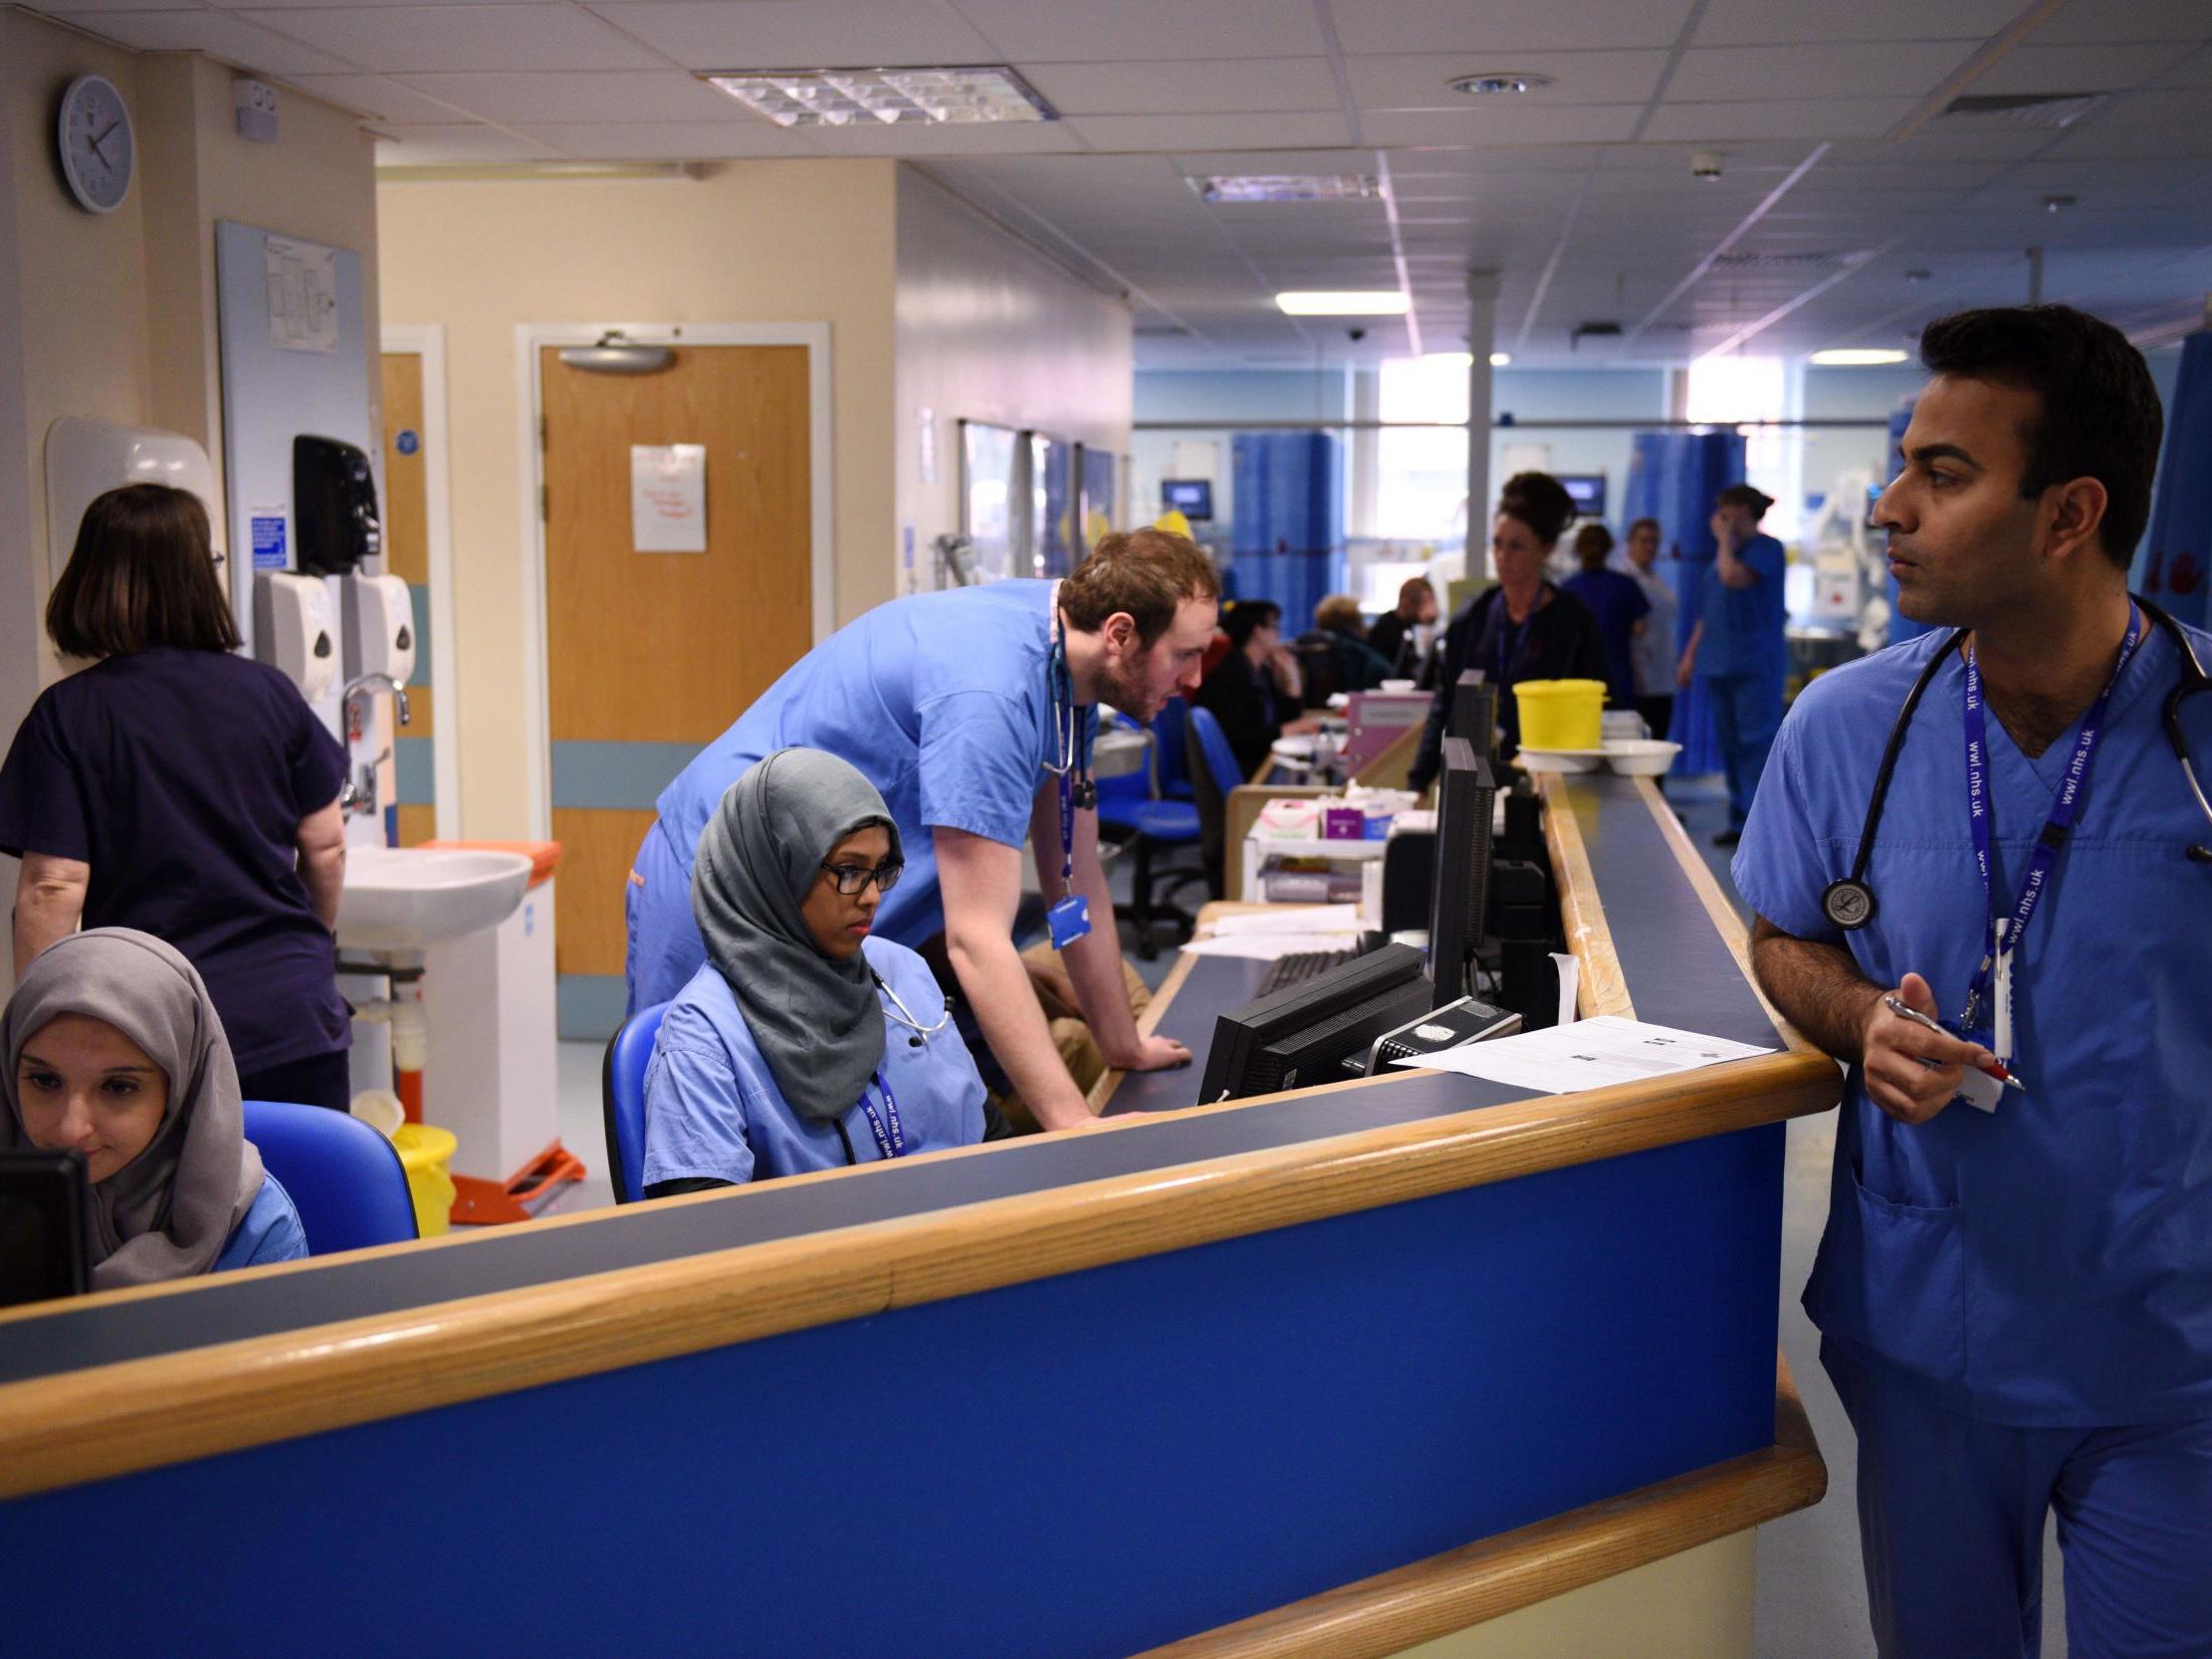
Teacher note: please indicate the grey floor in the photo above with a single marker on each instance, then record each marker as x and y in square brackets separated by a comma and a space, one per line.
[1811, 1592]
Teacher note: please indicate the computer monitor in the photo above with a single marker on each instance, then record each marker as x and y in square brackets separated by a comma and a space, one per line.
[1304, 1032]
[1473, 712]
[1190, 496]
[45, 1227]
[1586, 492]
[1460, 896]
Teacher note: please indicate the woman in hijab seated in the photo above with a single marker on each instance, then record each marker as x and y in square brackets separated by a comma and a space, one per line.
[115, 1053]
[802, 1043]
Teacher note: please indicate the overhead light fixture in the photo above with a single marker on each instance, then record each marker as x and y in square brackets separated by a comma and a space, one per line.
[1499, 360]
[1498, 80]
[957, 96]
[1350, 303]
[1856, 356]
[1288, 187]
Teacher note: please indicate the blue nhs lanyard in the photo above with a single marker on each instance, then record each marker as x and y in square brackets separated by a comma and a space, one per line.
[2000, 935]
[889, 1131]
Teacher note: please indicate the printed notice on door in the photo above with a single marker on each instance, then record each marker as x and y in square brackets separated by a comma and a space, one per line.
[668, 498]
[303, 295]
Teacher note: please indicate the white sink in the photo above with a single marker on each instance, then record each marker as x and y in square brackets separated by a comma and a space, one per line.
[407, 898]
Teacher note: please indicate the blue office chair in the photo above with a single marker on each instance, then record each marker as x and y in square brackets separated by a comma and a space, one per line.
[622, 1099]
[1214, 773]
[1129, 812]
[345, 1179]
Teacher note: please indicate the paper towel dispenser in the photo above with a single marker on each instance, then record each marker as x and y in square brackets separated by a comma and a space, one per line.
[293, 630]
[333, 506]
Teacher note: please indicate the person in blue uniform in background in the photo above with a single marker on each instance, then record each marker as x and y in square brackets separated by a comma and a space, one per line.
[965, 708]
[1738, 650]
[114, 1052]
[2015, 1302]
[803, 1042]
[1617, 601]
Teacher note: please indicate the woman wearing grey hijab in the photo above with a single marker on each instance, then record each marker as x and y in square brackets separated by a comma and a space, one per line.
[114, 1052]
[803, 1043]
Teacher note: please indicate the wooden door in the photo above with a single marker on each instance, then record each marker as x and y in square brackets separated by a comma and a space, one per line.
[650, 655]
[407, 555]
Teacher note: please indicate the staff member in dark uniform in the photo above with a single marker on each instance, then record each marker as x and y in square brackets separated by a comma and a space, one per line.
[1524, 628]
[186, 791]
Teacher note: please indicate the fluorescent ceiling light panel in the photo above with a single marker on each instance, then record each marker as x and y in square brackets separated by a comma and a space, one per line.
[1856, 357]
[1362, 303]
[1288, 187]
[1499, 360]
[960, 97]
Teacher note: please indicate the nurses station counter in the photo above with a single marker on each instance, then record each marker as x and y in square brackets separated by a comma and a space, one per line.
[1339, 1371]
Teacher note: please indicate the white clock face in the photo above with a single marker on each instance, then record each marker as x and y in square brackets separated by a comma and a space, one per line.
[96, 143]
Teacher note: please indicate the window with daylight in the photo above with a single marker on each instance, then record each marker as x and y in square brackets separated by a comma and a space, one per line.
[1422, 473]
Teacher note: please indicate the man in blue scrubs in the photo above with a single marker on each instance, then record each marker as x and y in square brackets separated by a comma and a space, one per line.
[2015, 1299]
[956, 706]
[1737, 649]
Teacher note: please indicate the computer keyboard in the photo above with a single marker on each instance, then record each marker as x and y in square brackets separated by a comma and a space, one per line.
[1299, 966]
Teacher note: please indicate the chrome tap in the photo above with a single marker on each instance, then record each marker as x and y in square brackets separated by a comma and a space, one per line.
[360, 796]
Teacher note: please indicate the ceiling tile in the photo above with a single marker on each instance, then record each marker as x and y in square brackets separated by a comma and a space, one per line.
[220, 35]
[1799, 21]
[2192, 70]
[74, 8]
[1422, 81]
[1718, 74]
[465, 145]
[1214, 85]
[521, 37]
[803, 34]
[1107, 30]
[1012, 138]
[2080, 69]
[1204, 132]
[375, 97]
[669, 141]
[1597, 123]
[1504, 25]
[1857, 117]
[637, 97]
[2135, 20]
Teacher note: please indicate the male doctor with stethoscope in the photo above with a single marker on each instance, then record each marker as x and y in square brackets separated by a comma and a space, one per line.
[1988, 829]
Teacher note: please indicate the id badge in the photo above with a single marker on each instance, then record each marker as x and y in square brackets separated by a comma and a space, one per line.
[1070, 919]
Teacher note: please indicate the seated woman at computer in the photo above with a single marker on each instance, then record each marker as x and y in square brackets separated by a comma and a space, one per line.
[116, 1052]
[802, 1043]
[1523, 627]
[1255, 691]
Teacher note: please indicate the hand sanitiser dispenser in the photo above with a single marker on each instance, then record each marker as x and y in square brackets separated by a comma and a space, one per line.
[293, 630]
[380, 627]
[333, 506]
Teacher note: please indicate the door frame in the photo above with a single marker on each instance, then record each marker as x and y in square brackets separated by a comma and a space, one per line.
[426, 340]
[531, 338]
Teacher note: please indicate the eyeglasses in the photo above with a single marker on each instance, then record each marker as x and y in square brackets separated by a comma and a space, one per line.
[853, 879]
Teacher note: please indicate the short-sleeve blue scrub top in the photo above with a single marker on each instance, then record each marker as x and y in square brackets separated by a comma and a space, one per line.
[942, 700]
[2049, 1264]
[713, 1110]
[1745, 627]
[269, 1231]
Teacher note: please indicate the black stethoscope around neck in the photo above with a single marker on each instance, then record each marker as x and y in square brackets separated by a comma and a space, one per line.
[1850, 903]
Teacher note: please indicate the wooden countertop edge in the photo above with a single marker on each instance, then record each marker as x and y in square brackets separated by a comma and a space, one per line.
[102, 1421]
[1396, 1610]
[1603, 986]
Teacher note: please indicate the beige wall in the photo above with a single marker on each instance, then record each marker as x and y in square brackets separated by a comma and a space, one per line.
[751, 241]
[990, 330]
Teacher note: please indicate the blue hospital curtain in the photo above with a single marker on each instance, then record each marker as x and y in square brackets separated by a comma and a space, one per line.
[1677, 478]
[2171, 566]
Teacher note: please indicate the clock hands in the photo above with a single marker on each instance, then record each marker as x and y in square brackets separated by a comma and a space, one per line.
[99, 142]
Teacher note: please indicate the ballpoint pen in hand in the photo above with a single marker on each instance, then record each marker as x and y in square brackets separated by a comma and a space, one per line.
[1994, 1069]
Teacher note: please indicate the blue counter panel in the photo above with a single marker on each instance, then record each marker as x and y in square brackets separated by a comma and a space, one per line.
[1089, 1464]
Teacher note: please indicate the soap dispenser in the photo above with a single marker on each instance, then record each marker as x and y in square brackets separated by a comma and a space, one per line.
[293, 630]
[380, 627]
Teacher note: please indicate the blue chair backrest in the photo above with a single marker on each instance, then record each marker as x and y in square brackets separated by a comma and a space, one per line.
[622, 1096]
[1167, 734]
[1221, 759]
[1129, 786]
[345, 1179]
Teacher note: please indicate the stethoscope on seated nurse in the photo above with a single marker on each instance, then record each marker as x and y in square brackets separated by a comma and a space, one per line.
[853, 879]
[1848, 902]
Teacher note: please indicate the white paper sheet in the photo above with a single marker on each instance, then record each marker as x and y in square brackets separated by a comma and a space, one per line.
[668, 498]
[1290, 918]
[303, 295]
[1570, 985]
[1265, 947]
[1589, 1054]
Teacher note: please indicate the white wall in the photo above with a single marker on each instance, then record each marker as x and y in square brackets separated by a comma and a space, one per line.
[990, 329]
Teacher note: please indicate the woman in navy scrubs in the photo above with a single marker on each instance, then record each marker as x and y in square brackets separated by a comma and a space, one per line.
[802, 1043]
[181, 789]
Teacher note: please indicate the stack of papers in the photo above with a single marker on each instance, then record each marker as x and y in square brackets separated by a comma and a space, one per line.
[1281, 931]
[1589, 1054]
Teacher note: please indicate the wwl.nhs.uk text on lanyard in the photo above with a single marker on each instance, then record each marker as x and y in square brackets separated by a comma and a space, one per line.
[886, 1126]
[1989, 993]
[1069, 919]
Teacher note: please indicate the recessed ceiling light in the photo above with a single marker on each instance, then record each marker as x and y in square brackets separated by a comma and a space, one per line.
[1856, 356]
[958, 97]
[2051, 204]
[1348, 302]
[1499, 360]
[1288, 187]
[1498, 80]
